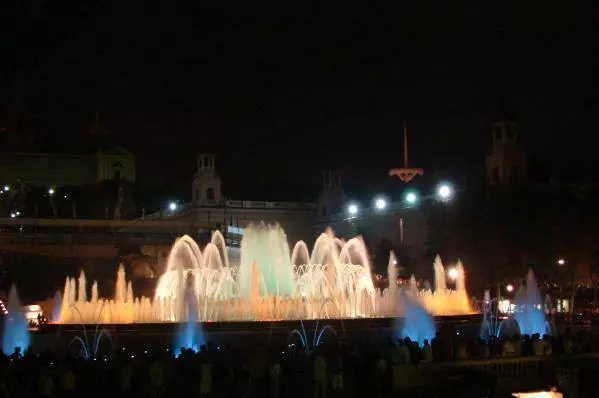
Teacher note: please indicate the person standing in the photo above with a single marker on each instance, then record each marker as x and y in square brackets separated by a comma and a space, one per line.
[320, 377]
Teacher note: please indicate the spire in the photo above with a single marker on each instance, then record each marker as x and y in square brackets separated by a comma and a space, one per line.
[406, 174]
[96, 128]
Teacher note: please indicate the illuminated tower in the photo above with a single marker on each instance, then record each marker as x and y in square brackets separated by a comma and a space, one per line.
[507, 161]
[206, 184]
[406, 174]
[330, 200]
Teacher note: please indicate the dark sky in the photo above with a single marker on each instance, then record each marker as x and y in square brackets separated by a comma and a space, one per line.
[283, 90]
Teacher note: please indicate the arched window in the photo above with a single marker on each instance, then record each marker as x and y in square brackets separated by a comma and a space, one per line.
[210, 194]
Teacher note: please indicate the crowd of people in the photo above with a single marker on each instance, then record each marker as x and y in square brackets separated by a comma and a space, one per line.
[336, 368]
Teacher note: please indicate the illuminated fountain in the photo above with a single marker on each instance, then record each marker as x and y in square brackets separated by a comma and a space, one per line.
[270, 282]
[15, 333]
[530, 314]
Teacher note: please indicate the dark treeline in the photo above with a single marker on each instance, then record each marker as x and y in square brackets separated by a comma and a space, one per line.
[500, 232]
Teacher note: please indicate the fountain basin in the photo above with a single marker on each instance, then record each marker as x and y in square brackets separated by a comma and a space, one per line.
[244, 334]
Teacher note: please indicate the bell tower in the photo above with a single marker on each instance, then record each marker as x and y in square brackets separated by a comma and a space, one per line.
[330, 200]
[506, 163]
[206, 184]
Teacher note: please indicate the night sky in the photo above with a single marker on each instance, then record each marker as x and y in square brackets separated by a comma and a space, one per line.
[284, 90]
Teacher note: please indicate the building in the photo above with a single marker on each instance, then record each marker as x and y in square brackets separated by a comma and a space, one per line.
[57, 170]
[209, 205]
[507, 161]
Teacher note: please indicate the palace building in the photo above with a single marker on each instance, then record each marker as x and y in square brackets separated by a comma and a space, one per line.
[209, 206]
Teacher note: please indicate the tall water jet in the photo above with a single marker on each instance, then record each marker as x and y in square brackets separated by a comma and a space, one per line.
[82, 289]
[57, 306]
[440, 281]
[15, 333]
[121, 285]
[418, 324]
[529, 308]
[267, 246]
[392, 274]
[190, 334]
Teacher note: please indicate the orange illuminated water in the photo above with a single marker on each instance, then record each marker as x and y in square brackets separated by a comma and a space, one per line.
[270, 282]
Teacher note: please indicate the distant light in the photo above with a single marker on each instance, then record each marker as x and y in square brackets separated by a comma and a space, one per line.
[561, 261]
[13, 215]
[380, 203]
[66, 196]
[352, 209]
[509, 288]
[51, 191]
[172, 206]
[18, 213]
[411, 198]
[445, 191]
[6, 188]
[453, 274]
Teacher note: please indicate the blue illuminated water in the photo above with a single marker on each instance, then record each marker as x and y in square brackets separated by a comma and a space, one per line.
[418, 324]
[15, 333]
[57, 306]
[190, 334]
[529, 312]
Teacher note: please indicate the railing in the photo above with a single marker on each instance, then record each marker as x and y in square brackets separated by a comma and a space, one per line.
[501, 367]
[234, 204]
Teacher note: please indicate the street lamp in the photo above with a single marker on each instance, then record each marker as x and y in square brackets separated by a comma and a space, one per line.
[561, 262]
[453, 273]
[51, 191]
[445, 191]
[352, 209]
[172, 206]
[411, 198]
[380, 203]
[6, 188]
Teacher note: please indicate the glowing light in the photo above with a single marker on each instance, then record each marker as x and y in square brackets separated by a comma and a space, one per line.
[172, 206]
[453, 274]
[352, 209]
[51, 191]
[6, 188]
[445, 191]
[538, 394]
[509, 288]
[504, 306]
[561, 261]
[380, 203]
[411, 198]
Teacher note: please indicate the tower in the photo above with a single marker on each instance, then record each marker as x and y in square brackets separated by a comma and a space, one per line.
[506, 163]
[330, 200]
[405, 173]
[206, 184]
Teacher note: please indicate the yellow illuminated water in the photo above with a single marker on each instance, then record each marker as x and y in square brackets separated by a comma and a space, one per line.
[270, 282]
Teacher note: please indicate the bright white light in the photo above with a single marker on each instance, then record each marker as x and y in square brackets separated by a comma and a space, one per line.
[444, 191]
[509, 288]
[6, 188]
[453, 274]
[380, 204]
[51, 191]
[352, 209]
[12, 215]
[561, 261]
[18, 213]
[172, 206]
[504, 306]
[411, 198]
